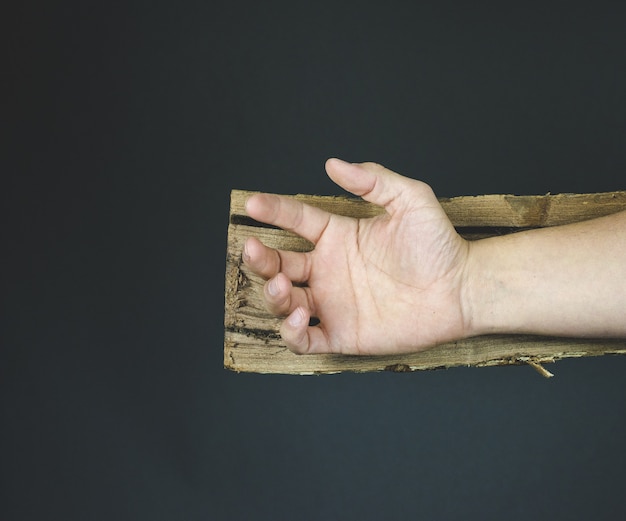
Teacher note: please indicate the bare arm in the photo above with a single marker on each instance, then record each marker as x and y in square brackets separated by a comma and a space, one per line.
[566, 280]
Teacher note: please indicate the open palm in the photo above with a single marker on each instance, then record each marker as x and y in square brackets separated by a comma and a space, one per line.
[387, 284]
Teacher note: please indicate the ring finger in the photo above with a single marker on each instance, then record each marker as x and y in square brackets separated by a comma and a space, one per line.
[282, 297]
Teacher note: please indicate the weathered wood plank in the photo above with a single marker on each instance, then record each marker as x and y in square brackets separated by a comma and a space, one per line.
[266, 354]
[252, 342]
[520, 211]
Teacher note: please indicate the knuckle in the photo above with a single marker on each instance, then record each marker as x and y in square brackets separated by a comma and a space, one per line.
[373, 165]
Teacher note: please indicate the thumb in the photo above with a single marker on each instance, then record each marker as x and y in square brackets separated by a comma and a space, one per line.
[371, 181]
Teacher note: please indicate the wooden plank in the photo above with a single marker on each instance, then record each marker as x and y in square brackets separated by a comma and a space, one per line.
[251, 339]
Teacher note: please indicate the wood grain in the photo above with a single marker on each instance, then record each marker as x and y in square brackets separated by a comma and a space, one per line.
[251, 339]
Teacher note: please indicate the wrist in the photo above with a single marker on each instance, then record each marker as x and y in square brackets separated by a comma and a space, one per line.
[485, 309]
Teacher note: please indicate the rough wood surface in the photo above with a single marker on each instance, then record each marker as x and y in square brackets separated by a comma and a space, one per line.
[251, 339]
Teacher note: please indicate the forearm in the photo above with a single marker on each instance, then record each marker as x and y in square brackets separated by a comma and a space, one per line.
[567, 280]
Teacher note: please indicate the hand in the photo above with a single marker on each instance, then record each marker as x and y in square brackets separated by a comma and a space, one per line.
[388, 284]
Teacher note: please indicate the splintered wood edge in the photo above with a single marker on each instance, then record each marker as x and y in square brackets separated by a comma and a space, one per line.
[259, 353]
[252, 342]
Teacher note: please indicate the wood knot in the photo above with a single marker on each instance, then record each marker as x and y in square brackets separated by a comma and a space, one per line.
[532, 211]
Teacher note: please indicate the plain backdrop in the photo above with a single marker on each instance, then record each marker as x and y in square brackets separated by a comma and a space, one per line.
[124, 128]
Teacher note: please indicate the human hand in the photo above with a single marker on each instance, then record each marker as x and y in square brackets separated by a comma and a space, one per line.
[388, 284]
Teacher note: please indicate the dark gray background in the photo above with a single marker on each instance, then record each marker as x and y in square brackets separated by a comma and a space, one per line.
[124, 127]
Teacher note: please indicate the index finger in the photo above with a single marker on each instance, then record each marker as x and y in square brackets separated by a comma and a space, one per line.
[289, 214]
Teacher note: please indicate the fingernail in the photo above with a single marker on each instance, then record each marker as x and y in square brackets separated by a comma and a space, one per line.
[341, 161]
[296, 319]
[273, 288]
[245, 254]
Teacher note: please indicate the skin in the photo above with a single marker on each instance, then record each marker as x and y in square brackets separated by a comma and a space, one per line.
[405, 281]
